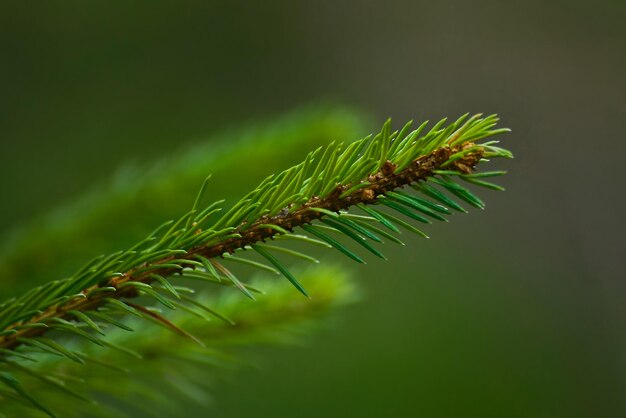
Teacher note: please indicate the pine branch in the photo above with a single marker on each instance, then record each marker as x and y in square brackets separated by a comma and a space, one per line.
[325, 188]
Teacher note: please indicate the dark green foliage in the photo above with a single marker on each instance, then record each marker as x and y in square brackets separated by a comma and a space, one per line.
[118, 213]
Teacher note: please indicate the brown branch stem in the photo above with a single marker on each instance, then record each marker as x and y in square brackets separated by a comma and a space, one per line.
[383, 181]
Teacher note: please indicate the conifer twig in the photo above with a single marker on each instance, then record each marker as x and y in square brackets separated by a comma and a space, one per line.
[385, 180]
[327, 187]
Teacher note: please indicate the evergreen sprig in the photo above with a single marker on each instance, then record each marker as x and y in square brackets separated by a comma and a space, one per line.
[319, 196]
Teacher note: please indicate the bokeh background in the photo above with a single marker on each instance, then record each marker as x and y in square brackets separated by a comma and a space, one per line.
[517, 311]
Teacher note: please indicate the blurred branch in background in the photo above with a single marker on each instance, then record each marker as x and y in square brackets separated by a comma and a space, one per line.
[157, 370]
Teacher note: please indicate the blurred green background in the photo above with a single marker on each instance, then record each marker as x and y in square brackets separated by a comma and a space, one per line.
[517, 311]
